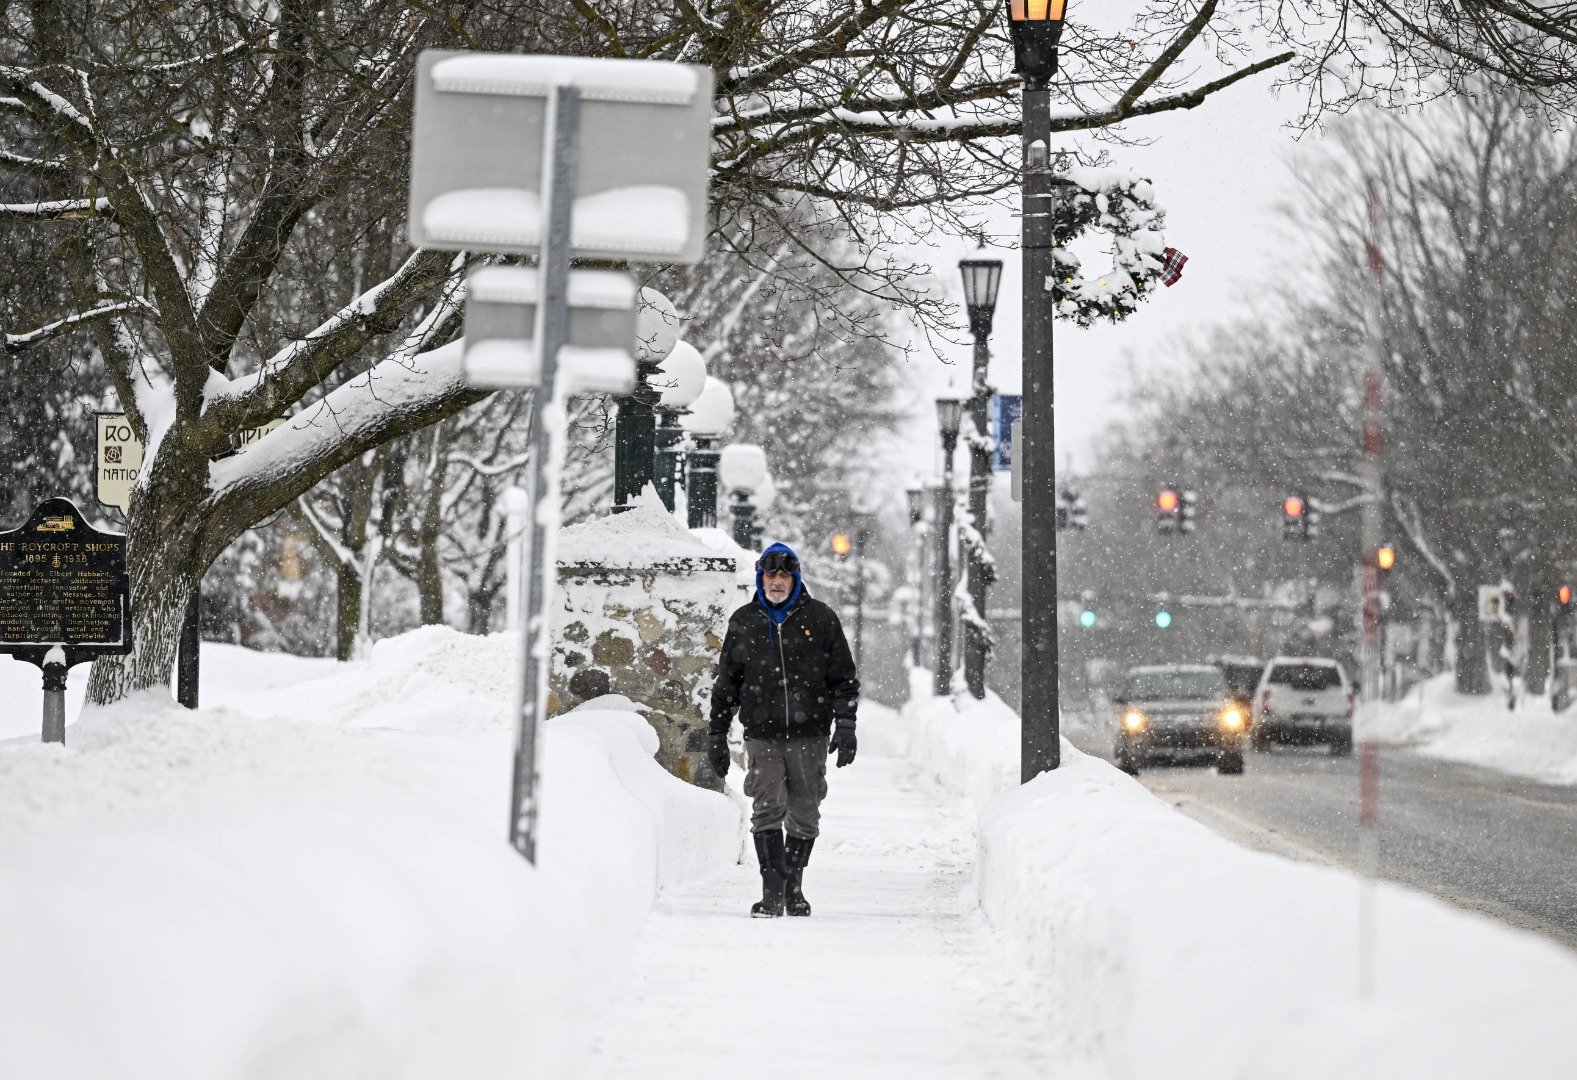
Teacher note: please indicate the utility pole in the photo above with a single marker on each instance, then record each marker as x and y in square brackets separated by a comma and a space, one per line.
[1041, 749]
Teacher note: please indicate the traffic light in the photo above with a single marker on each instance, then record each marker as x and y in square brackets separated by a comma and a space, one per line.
[1187, 509]
[1087, 617]
[1298, 519]
[1385, 557]
[1169, 507]
[1071, 513]
[1564, 611]
[841, 545]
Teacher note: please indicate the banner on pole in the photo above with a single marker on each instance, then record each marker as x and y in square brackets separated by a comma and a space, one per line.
[1007, 408]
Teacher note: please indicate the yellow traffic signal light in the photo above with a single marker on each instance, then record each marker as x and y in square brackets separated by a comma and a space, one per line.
[841, 544]
[1385, 558]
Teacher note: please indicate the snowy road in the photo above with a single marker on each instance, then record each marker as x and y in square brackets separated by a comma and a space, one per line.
[1480, 839]
[896, 973]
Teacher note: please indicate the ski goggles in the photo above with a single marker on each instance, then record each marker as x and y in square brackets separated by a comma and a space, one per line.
[777, 561]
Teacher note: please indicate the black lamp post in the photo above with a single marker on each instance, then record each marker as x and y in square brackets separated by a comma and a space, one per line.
[743, 513]
[681, 378]
[743, 469]
[765, 496]
[1036, 28]
[949, 413]
[916, 497]
[710, 416]
[635, 423]
[982, 278]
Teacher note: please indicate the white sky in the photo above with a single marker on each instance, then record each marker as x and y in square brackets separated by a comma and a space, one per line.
[1220, 171]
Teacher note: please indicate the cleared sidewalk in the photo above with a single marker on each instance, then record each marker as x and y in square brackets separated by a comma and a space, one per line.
[896, 973]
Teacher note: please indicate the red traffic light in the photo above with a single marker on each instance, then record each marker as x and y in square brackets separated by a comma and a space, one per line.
[1292, 506]
[1564, 595]
[1167, 500]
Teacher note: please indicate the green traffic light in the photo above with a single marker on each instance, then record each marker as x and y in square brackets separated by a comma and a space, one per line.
[1163, 619]
[1086, 618]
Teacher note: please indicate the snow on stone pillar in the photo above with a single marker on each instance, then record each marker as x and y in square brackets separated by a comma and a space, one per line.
[643, 612]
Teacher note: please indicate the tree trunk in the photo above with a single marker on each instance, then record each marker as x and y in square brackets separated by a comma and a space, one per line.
[163, 561]
[1472, 670]
[348, 611]
[429, 571]
[479, 610]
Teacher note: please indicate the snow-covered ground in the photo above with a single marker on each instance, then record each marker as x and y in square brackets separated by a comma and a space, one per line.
[308, 877]
[1435, 720]
[1169, 951]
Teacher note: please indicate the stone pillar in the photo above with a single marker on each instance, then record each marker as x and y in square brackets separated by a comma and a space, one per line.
[646, 621]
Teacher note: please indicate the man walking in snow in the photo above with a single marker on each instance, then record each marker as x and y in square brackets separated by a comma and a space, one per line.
[787, 670]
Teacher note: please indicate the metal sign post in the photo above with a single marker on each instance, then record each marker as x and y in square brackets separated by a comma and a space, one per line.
[536, 549]
[560, 158]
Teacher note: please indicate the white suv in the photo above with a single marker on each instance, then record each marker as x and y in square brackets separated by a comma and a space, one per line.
[1304, 699]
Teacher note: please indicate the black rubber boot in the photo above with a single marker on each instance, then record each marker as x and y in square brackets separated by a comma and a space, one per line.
[797, 851]
[774, 874]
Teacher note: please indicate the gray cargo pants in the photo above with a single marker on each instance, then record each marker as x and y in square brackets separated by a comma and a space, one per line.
[786, 780]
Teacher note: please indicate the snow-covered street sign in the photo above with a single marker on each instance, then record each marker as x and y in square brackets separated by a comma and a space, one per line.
[500, 330]
[478, 158]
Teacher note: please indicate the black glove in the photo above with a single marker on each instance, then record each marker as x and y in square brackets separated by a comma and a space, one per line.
[717, 755]
[843, 742]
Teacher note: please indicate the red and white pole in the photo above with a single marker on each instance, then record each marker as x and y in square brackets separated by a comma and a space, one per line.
[1369, 751]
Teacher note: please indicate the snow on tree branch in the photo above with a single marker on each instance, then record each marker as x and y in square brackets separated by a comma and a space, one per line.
[18, 342]
[398, 396]
[56, 210]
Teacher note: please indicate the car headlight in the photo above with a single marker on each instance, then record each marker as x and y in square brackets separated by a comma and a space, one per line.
[1133, 720]
[1232, 718]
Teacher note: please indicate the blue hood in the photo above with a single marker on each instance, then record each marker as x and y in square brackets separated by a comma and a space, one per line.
[778, 612]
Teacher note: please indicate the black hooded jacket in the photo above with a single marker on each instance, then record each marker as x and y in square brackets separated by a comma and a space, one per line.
[788, 682]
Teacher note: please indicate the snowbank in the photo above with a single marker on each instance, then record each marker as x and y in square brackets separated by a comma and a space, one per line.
[1435, 720]
[1170, 951]
[310, 876]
